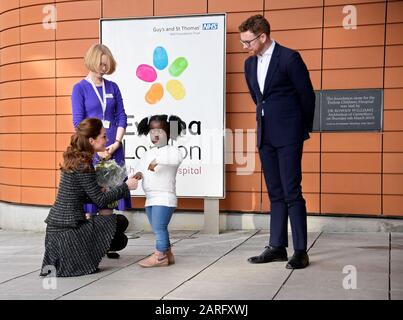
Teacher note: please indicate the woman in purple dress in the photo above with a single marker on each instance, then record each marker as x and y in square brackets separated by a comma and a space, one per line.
[96, 97]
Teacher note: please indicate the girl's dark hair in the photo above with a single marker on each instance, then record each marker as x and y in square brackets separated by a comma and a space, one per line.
[172, 125]
[78, 155]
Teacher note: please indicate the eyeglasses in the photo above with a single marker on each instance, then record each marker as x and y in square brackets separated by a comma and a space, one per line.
[248, 42]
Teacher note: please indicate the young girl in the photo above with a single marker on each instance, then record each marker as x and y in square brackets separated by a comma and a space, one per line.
[158, 168]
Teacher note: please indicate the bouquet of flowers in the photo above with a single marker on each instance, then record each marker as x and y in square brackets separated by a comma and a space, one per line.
[110, 174]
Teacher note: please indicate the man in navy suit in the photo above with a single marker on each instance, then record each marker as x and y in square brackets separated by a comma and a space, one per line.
[279, 84]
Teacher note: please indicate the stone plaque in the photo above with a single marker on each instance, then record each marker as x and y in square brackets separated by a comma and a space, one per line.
[316, 119]
[351, 110]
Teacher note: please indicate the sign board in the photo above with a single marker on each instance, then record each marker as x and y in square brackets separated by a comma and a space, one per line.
[175, 66]
[351, 110]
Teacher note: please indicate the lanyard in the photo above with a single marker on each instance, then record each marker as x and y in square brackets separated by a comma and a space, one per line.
[103, 100]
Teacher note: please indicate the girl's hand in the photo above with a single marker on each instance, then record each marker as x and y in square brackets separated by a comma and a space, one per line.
[138, 176]
[152, 165]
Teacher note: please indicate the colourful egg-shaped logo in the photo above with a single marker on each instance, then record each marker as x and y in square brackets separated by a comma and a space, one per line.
[176, 89]
[178, 66]
[155, 93]
[160, 58]
[146, 73]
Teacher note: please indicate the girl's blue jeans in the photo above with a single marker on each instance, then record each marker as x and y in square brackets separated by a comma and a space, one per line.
[159, 217]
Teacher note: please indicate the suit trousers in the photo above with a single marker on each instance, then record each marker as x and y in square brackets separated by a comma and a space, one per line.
[282, 173]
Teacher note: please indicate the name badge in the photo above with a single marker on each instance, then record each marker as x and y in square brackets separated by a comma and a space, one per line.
[109, 95]
[106, 124]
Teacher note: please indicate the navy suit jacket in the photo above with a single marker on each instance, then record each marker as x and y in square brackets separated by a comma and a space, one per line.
[288, 98]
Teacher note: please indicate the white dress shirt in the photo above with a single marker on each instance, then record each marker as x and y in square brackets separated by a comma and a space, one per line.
[160, 185]
[263, 62]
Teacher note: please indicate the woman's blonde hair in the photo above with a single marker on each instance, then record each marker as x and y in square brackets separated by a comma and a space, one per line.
[78, 155]
[93, 57]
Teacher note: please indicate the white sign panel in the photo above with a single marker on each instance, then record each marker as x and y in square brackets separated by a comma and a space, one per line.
[175, 66]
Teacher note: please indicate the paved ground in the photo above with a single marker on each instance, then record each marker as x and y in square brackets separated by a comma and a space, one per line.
[215, 267]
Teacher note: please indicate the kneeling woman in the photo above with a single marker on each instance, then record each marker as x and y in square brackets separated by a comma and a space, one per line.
[74, 246]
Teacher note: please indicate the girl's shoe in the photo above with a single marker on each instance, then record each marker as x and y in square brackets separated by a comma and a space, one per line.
[171, 258]
[155, 260]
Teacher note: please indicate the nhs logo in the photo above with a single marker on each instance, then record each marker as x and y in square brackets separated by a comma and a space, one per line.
[210, 26]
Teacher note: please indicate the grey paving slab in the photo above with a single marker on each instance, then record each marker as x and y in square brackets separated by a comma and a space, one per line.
[397, 248]
[123, 261]
[238, 258]
[209, 246]
[310, 278]
[240, 276]
[397, 237]
[261, 239]
[135, 272]
[396, 255]
[183, 269]
[148, 238]
[203, 290]
[362, 263]
[213, 267]
[225, 239]
[38, 250]
[7, 274]
[20, 236]
[25, 297]
[41, 288]
[27, 239]
[396, 279]
[319, 293]
[396, 295]
[11, 249]
[123, 289]
[336, 258]
[355, 239]
[32, 285]
[143, 250]
[17, 259]
[396, 266]
[202, 250]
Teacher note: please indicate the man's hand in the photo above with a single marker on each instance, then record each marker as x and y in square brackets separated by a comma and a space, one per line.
[152, 165]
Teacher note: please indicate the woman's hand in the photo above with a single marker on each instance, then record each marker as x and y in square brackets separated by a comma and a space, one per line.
[132, 183]
[112, 148]
[104, 155]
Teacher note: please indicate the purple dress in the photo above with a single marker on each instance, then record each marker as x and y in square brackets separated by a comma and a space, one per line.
[86, 104]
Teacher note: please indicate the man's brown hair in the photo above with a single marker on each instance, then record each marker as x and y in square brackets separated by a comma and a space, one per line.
[256, 24]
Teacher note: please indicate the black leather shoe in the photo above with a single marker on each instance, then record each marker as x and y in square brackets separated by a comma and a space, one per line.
[270, 254]
[299, 260]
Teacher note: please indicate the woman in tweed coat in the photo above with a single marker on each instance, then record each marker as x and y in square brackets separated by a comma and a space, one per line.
[74, 246]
